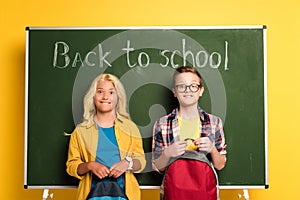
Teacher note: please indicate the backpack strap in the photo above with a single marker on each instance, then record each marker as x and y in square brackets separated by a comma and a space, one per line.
[192, 155]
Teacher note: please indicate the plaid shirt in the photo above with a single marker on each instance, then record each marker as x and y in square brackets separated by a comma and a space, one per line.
[166, 131]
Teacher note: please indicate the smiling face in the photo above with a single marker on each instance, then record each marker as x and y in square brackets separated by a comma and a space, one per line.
[187, 97]
[105, 98]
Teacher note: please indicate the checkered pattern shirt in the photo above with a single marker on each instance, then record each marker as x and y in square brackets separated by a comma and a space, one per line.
[166, 131]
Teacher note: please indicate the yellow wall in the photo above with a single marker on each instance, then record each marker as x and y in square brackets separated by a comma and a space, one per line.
[283, 37]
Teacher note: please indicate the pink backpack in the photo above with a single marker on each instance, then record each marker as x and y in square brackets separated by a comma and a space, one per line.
[190, 176]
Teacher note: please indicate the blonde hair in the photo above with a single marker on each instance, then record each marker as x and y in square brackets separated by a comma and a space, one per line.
[88, 102]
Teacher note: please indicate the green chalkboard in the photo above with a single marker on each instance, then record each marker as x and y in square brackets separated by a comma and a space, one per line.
[61, 63]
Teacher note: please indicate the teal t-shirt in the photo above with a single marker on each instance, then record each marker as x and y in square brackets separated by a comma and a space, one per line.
[107, 152]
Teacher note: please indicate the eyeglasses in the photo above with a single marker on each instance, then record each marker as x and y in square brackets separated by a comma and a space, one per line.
[183, 88]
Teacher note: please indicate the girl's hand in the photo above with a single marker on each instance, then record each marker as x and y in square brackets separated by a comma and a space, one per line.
[98, 169]
[118, 169]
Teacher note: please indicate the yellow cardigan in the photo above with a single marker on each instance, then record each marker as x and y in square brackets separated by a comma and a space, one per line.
[83, 147]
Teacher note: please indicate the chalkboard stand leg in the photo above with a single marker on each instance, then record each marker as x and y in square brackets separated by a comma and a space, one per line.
[46, 194]
[245, 195]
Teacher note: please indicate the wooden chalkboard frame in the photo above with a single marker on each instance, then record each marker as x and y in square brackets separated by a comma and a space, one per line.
[32, 134]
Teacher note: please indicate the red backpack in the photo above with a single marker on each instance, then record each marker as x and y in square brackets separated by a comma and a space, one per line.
[190, 176]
